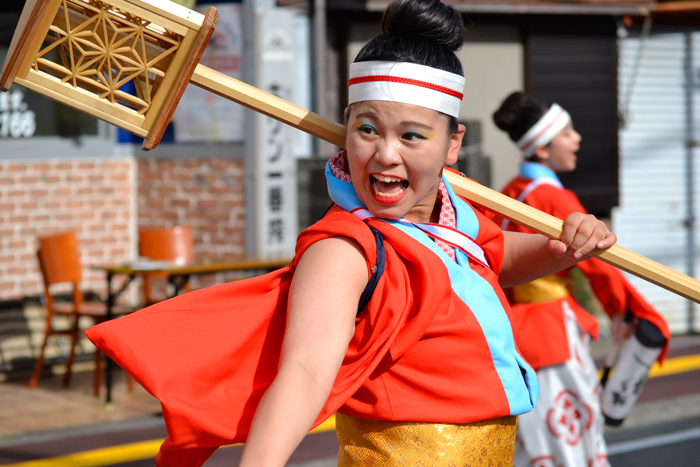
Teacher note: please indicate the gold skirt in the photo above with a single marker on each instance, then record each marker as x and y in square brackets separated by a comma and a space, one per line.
[375, 443]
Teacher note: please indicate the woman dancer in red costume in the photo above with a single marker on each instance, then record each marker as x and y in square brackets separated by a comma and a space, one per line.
[426, 370]
[552, 330]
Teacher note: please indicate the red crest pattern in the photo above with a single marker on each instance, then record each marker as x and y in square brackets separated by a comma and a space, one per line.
[569, 418]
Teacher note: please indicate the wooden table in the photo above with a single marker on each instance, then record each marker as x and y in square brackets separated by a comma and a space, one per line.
[178, 276]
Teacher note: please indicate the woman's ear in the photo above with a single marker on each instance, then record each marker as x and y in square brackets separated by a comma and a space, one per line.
[346, 114]
[542, 153]
[455, 145]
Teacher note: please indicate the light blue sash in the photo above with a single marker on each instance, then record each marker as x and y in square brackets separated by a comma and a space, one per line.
[533, 171]
[518, 379]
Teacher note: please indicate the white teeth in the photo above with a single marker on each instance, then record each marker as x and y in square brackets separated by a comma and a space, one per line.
[387, 195]
[384, 178]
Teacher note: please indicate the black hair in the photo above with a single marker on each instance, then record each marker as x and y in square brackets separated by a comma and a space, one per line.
[425, 32]
[518, 113]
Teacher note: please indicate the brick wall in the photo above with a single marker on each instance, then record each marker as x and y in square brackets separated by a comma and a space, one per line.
[208, 194]
[94, 197]
[105, 200]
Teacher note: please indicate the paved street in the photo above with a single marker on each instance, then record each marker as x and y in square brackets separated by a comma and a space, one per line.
[674, 444]
[662, 430]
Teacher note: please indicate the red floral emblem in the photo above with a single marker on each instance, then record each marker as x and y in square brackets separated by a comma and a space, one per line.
[569, 418]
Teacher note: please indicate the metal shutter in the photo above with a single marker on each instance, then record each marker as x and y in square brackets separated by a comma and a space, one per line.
[653, 156]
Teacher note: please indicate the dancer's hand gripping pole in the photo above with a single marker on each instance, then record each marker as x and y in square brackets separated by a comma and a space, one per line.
[82, 52]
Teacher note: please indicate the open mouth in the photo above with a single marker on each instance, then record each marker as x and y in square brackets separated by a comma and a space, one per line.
[388, 187]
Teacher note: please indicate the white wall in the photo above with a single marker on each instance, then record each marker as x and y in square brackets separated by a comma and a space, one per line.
[492, 59]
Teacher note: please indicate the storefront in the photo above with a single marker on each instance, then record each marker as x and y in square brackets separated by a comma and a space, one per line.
[61, 169]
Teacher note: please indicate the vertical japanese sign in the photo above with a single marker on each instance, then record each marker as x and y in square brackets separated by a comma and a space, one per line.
[275, 164]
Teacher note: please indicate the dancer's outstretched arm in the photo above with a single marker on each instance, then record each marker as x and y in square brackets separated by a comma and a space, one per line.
[323, 300]
[531, 256]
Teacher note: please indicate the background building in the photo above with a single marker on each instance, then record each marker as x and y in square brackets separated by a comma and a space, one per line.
[61, 170]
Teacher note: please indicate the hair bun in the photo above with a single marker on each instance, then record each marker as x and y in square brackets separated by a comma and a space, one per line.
[430, 19]
[517, 114]
[511, 111]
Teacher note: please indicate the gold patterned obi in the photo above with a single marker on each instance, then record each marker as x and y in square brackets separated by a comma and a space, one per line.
[545, 289]
[376, 443]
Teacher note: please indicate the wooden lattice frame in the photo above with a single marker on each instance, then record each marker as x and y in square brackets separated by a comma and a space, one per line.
[106, 51]
[124, 61]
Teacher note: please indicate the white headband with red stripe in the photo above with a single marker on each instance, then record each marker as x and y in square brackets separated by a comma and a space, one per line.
[544, 131]
[408, 83]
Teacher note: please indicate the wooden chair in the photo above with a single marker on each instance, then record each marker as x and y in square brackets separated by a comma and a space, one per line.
[59, 262]
[164, 244]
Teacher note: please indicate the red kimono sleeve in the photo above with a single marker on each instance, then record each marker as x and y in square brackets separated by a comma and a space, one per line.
[209, 355]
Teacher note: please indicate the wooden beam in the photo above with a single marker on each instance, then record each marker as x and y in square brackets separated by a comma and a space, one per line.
[539, 8]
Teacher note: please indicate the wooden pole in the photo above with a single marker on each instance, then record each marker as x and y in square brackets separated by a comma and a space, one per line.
[507, 207]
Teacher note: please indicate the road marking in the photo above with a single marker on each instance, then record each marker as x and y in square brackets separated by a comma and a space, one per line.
[675, 365]
[124, 453]
[99, 457]
[653, 441]
[148, 449]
